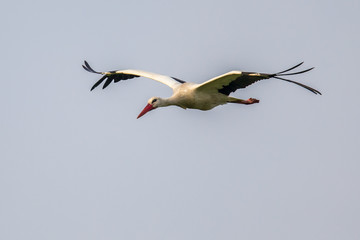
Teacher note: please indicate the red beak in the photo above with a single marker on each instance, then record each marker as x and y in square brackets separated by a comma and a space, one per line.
[148, 108]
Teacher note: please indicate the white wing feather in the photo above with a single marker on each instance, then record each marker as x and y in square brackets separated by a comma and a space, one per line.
[119, 75]
[169, 81]
[218, 82]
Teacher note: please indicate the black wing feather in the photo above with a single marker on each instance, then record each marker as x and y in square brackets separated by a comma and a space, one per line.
[89, 69]
[287, 74]
[179, 80]
[107, 82]
[300, 84]
[248, 78]
[290, 68]
[241, 82]
[98, 82]
[108, 76]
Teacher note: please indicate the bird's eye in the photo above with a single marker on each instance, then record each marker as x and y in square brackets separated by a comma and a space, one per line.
[153, 100]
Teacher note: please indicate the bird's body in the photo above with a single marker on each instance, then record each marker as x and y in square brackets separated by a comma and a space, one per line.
[187, 95]
[204, 96]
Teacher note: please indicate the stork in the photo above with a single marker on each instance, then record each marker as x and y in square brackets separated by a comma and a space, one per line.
[203, 96]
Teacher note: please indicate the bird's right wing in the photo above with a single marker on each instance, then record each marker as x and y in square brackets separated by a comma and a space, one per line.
[119, 75]
[231, 81]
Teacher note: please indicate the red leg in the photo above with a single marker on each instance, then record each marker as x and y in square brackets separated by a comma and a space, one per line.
[249, 101]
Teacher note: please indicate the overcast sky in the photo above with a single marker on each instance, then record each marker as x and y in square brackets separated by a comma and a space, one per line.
[77, 164]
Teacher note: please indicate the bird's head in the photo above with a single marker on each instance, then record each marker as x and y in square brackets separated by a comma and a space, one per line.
[153, 103]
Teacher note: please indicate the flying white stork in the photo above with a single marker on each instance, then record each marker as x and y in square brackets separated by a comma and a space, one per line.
[204, 96]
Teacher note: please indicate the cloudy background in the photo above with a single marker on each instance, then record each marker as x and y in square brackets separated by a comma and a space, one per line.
[77, 164]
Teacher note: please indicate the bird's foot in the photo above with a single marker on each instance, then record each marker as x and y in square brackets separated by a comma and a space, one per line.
[251, 101]
[247, 102]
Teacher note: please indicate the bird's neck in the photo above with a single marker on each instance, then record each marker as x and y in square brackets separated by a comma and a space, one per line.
[167, 102]
[171, 101]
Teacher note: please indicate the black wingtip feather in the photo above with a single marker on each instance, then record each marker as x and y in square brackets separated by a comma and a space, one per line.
[248, 78]
[89, 69]
[300, 84]
[288, 74]
[98, 82]
[107, 82]
[284, 73]
[85, 68]
[290, 68]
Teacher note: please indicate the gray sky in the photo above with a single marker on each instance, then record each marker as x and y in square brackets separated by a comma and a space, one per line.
[77, 164]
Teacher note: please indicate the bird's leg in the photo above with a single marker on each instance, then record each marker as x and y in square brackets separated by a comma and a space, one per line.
[247, 102]
[251, 101]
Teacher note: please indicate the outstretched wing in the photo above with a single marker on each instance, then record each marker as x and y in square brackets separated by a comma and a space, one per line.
[119, 75]
[231, 81]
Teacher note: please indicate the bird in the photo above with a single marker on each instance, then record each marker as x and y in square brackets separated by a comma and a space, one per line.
[202, 96]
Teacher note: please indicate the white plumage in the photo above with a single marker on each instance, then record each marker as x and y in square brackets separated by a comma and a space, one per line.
[204, 96]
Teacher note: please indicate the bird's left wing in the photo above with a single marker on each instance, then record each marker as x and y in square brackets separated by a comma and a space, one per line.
[231, 81]
[119, 75]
